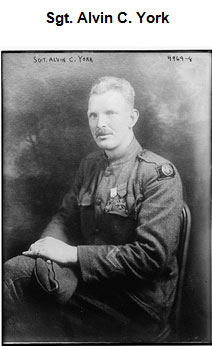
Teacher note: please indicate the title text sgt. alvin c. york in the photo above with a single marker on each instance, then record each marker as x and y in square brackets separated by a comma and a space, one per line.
[102, 18]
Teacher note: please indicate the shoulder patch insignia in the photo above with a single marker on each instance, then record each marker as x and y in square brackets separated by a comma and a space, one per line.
[165, 171]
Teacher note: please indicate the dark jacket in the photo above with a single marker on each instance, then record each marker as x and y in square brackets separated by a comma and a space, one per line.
[124, 215]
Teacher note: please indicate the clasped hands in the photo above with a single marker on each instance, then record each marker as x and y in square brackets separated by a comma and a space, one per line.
[53, 249]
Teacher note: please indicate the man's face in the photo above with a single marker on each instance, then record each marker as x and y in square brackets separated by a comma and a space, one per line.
[109, 116]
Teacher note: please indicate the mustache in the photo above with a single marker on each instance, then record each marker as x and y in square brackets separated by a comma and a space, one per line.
[102, 132]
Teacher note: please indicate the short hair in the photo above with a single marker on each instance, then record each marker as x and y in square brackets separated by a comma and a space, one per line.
[107, 83]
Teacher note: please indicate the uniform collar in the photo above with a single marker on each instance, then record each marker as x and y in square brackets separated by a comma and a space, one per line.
[132, 150]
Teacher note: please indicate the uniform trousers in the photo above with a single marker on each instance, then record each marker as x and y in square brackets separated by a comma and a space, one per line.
[95, 312]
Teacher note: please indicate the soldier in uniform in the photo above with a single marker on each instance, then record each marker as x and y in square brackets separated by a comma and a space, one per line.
[106, 264]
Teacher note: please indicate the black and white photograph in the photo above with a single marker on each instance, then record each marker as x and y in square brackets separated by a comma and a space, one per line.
[106, 196]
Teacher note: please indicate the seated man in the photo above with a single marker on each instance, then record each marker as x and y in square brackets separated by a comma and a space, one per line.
[105, 268]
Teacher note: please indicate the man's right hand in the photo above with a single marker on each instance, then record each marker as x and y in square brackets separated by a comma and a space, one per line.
[53, 249]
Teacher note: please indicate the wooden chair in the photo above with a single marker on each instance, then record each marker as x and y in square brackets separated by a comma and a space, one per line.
[172, 329]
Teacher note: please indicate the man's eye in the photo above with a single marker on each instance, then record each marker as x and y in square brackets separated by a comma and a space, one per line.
[110, 112]
[92, 116]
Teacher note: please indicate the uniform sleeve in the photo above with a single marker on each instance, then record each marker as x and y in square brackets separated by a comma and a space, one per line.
[156, 237]
[65, 224]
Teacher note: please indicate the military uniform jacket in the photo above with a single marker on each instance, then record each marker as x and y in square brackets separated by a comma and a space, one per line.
[124, 216]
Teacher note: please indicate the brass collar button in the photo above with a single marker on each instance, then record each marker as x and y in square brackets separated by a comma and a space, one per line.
[107, 173]
[98, 201]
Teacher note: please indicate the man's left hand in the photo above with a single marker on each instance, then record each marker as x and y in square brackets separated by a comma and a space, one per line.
[53, 249]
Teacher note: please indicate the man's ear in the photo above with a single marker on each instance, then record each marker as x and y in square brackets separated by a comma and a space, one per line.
[134, 115]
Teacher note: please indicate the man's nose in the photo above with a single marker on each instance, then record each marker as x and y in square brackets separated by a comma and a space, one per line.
[102, 120]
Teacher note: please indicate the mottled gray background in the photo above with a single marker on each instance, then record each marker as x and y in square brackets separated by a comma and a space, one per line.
[45, 135]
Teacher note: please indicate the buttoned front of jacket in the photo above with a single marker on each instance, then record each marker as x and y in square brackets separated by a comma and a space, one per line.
[124, 215]
[109, 197]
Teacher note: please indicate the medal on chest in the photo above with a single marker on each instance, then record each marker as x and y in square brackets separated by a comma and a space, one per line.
[117, 201]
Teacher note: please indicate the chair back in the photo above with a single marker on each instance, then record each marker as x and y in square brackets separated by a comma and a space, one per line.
[182, 259]
[173, 325]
